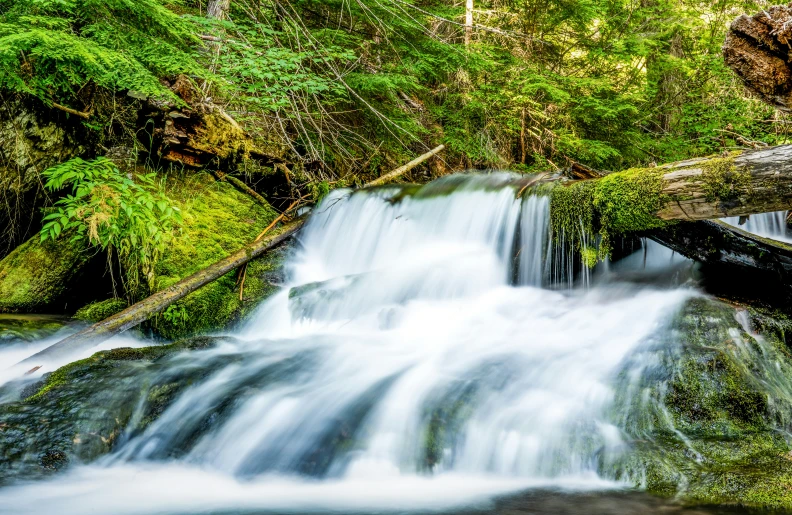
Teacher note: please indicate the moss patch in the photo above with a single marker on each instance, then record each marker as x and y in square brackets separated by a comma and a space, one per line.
[723, 397]
[77, 413]
[627, 201]
[98, 311]
[588, 211]
[721, 179]
[218, 220]
[105, 359]
[36, 275]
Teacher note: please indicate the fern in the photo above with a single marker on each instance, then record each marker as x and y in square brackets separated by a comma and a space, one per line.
[107, 209]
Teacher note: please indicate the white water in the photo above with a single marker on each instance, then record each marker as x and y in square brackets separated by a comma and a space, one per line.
[400, 317]
[767, 225]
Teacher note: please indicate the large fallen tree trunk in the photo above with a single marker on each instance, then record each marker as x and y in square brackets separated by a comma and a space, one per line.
[755, 181]
[157, 302]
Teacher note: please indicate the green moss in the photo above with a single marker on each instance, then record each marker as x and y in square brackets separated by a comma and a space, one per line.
[589, 256]
[104, 359]
[37, 274]
[218, 220]
[721, 179]
[623, 202]
[628, 201]
[98, 311]
[572, 210]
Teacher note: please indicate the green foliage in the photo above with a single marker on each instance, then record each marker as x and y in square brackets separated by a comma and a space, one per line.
[53, 49]
[132, 219]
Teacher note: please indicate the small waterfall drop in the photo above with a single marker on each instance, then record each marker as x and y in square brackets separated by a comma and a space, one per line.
[416, 349]
[768, 225]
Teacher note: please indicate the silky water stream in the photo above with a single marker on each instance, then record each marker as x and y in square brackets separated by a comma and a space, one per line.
[432, 350]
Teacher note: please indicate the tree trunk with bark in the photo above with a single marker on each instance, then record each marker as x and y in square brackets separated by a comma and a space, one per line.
[218, 9]
[756, 181]
[758, 49]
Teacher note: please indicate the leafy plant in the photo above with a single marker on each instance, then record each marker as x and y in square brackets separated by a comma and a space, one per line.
[129, 218]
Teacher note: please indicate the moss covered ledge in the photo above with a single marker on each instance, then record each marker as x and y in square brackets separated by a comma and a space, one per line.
[218, 220]
[37, 275]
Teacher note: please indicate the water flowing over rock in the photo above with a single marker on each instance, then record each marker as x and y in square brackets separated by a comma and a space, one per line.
[432, 344]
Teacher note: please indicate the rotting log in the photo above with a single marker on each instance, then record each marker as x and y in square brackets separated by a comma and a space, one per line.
[758, 49]
[196, 132]
[137, 313]
[143, 310]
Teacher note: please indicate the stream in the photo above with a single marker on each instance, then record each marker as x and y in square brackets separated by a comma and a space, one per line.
[433, 351]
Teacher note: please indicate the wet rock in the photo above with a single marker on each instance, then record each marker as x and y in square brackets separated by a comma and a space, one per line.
[78, 413]
[32, 139]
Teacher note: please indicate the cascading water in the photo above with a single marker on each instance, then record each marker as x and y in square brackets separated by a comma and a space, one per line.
[768, 225]
[410, 362]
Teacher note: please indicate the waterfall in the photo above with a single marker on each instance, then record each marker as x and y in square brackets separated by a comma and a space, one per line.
[419, 353]
[767, 225]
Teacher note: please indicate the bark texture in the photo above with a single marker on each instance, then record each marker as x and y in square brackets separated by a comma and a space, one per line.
[758, 49]
[757, 181]
[194, 134]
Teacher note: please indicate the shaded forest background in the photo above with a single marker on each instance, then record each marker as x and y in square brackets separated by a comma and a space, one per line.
[350, 87]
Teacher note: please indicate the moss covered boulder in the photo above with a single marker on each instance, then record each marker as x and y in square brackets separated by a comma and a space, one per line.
[78, 413]
[37, 276]
[715, 405]
[218, 220]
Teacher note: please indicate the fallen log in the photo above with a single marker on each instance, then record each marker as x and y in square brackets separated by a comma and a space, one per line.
[756, 181]
[143, 310]
[137, 313]
[735, 184]
[406, 168]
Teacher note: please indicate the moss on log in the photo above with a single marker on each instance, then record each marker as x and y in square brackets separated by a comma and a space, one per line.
[640, 199]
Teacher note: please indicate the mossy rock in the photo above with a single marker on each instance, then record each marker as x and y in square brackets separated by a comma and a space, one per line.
[37, 275]
[713, 430]
[27, 328]
[218, 220]
[98, 311]
[77, 413]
